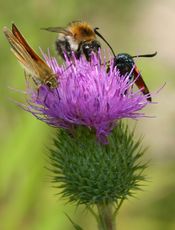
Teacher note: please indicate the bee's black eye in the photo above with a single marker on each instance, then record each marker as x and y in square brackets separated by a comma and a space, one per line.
[89, 47]
[86, 46]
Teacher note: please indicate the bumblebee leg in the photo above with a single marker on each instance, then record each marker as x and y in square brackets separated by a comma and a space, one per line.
[63, 48]
[78, 52]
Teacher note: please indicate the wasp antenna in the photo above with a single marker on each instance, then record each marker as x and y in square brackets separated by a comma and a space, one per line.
[145, 55]
[98, 34]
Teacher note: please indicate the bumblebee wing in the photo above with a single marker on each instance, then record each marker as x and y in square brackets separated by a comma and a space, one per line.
[58, 30]
[141, 84]
[30, 61]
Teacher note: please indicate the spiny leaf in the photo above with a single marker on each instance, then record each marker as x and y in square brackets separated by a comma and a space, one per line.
[76, 226]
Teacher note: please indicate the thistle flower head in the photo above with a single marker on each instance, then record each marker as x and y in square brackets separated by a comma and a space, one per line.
[87, 95]
[90, 173]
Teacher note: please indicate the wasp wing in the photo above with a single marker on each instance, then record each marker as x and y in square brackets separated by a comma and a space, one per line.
[141, 84]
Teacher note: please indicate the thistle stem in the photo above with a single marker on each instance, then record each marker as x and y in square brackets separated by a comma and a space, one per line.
[106, 219]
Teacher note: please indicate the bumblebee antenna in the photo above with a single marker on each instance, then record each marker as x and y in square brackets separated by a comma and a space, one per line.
[145, 55]
[98, 34]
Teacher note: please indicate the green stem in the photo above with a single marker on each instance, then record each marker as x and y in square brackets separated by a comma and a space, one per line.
[105, 214]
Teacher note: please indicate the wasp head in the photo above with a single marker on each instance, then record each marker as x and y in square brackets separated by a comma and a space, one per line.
[124, 62]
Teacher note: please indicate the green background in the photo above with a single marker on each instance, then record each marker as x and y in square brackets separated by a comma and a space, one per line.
[28, 200]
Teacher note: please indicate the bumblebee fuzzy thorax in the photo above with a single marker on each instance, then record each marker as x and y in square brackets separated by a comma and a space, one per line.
[81, 31]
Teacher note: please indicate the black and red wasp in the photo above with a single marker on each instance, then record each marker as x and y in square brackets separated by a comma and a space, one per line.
[125, 64]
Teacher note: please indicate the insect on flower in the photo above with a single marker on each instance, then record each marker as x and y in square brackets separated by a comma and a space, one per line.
[78, 37]
[125, 63]
[87, 95]
[33, 65]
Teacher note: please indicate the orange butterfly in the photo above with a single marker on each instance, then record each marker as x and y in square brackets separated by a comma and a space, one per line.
[33, 65]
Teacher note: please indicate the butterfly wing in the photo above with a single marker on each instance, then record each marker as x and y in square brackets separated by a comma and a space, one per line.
[30, 61]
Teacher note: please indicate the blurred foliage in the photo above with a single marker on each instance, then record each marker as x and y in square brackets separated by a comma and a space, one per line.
[27, 199]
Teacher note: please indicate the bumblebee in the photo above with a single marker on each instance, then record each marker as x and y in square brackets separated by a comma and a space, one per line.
[125, 64]
[78, 38]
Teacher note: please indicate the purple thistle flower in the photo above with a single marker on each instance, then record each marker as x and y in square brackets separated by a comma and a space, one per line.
[86, 95]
